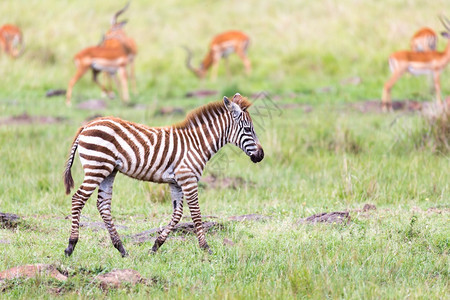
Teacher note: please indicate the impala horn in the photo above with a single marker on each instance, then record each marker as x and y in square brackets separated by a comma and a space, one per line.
[445, 21]
[117, 14]
[188, 62]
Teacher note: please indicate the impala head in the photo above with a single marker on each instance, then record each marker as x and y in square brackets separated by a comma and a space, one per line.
[242, 133]
[446, 22]
[200, 72]
[115, 25]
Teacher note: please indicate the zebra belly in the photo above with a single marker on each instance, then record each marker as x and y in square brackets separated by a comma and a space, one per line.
[152, 173]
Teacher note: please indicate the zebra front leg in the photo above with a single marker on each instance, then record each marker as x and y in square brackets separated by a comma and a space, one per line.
[177, 200]
[190, 191]
[104, 208]
[78, 201]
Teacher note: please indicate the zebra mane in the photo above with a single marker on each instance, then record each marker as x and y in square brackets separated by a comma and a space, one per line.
[214, 108]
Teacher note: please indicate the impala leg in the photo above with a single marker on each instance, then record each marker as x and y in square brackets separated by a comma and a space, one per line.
[104, 208]
[386, 103]
[177, 200]
[124, 83]
[437, 86]
[80, 72]
[248, 67]
[133, 78]
[227, 66]
[214, 69]
[78, 201]
[108, 79]
[95, 79]
[190, 191]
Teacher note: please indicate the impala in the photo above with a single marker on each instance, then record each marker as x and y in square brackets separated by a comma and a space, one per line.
[221, 46]
[11, 40]
[116, 36]
[425, 39]
[112, 56]
[417, 63]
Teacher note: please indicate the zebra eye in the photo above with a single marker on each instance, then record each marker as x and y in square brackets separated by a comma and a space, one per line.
[247, 130]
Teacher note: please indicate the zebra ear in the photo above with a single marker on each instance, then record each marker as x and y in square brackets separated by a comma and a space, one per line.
[232, 107]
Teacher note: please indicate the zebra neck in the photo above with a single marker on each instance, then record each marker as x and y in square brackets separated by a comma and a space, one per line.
[210, 137]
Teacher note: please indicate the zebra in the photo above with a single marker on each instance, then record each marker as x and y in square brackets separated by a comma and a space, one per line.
[175, 155]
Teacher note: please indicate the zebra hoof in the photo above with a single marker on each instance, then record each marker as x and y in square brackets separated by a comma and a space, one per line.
[68, 251]
[207, 249]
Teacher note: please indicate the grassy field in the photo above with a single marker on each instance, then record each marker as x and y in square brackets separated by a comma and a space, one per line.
[322, 154]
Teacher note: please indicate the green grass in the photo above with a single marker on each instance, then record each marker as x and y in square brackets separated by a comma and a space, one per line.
[333, 158]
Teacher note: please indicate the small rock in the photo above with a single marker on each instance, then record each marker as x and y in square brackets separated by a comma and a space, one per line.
[116, 278]
[369, 206]
[337, 217]
[32, 271]
[9, 220]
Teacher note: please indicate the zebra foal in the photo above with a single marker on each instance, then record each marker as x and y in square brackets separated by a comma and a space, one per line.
[175, 155]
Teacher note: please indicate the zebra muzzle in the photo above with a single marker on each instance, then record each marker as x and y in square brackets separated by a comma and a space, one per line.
[257, 156]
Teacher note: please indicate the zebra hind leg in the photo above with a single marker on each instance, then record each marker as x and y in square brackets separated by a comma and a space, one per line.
[177, 199]
[104, 208]
[78, 201]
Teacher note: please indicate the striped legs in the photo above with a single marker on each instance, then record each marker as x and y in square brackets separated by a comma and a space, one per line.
[190, 191]
[104, 208]
[177, 199]
[78, 201]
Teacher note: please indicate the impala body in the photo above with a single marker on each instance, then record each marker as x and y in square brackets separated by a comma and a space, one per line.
[221, 46]
[11, 40]
[417, 63]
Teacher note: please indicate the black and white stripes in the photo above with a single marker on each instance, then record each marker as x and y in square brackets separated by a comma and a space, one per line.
[175, 155]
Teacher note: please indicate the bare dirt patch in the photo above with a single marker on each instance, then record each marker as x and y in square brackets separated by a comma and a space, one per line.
[249, 217]
[56, 92]
[184, 228]
[170, 110]
[93, 104]
[118, 278]
[201, 93]
[220, 182]
[189, 228]
[26, 119]
[374, 106]
[32, 271]
[431, 210]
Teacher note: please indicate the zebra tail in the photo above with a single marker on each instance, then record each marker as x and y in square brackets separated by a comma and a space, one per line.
[68, 180]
